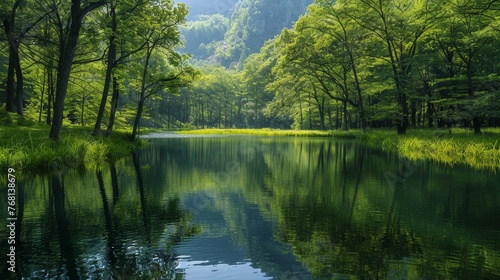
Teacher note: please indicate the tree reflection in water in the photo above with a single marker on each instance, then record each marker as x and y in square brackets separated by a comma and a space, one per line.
[82, 234]
[292, 209]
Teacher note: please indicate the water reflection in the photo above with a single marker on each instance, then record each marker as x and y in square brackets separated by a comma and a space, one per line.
[71, 230]
[261, 208]
[331, 205]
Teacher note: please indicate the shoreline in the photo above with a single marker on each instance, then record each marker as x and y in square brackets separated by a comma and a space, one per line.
[28, 148]
[449, 146]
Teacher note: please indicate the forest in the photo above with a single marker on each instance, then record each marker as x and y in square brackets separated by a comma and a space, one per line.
[341, 65]
[362, 64]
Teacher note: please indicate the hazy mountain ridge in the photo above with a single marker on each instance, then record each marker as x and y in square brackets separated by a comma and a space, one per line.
[209, 7]
[252, 22]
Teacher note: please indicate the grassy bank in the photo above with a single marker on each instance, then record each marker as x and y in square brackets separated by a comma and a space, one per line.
[26, 147]
[455, 146]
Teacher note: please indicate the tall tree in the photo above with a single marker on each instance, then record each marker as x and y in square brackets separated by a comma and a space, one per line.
[341, 34]
[18, 19]
[120, 18]
[161, 66]
[67, 47]
[396, 27]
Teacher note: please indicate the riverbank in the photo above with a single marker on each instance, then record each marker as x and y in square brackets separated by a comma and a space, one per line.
[448, 146]
[26, 147]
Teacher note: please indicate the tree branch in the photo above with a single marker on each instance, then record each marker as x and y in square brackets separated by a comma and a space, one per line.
[90, 7]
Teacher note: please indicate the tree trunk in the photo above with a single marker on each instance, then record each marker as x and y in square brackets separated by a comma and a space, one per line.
[344, 125]
[109, 71]
[50, 95]
[14, 66]
[142, 96]
[321, 109]
[67, 53]
[82, 113]
[301, 116]
[10, 106]
[430, 113]
[413, 113]
[476, 122]
[40, 110]
[322, 119]
[358, 90]
[337, 124]
[403, 119]
[137, 119]
[114, 106]
[19, 84]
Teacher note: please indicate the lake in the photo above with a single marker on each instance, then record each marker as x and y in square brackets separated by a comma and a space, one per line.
[246, 207]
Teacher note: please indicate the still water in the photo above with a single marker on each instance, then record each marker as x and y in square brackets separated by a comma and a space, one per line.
[244, 207]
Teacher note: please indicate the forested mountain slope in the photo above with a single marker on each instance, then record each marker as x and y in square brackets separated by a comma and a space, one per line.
[209, 7]
[245, 31]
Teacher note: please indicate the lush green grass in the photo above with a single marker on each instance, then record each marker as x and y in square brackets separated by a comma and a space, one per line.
[26, 147]
[455, 146]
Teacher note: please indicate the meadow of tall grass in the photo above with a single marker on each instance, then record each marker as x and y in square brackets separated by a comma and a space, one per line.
[450, 146]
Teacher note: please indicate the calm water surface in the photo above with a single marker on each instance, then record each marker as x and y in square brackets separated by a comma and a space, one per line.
[258, 208]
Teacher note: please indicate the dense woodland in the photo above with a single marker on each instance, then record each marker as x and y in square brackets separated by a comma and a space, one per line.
[343, 64]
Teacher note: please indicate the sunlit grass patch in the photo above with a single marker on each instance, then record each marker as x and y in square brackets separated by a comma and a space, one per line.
[30, 150]
[455, 146]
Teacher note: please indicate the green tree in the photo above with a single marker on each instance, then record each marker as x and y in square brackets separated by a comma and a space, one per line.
[322, 60]
[18, 19]
[255, 76]
[69, 34]
[396, 29]
[161, 67]
[120, 19]
[465, 39]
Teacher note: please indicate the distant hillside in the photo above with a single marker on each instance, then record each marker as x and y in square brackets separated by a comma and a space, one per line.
[209, 7]
[254, 22]
[249, 24]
